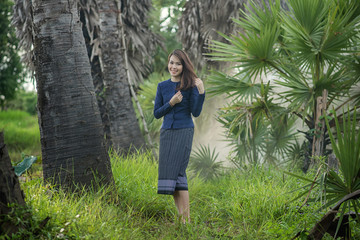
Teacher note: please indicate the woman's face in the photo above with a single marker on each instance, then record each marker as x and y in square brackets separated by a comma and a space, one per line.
[174, 66]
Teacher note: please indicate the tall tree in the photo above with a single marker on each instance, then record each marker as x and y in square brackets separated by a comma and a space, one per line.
[124, 130]
[73, 149]
[107, 55]
[200, 22]
[11, 76]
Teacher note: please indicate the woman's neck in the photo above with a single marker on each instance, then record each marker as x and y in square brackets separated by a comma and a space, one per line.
[175, 79]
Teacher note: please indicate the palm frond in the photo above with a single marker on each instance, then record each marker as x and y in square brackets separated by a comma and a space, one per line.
[281, 137]
[312, 34]
[23, 22]
[297, 93]
[246, 134]
[295, 153]
[256, 52]
[204, 162]
[240, 86]
[347, 149]
[258, 14]
[256, 47]
[141, 42]
[200, 22]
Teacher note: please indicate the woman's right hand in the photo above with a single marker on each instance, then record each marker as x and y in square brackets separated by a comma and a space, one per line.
[176, 98]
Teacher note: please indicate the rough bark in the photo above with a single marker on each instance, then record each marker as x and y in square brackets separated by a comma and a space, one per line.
[10, 191]
[73, 149]
[95, 72]
[132, 91]
[124, 131]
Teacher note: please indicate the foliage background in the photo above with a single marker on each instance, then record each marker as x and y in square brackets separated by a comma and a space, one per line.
[11, 70]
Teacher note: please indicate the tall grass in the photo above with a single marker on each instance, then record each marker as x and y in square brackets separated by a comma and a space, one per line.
[21, 133]
[239, 205]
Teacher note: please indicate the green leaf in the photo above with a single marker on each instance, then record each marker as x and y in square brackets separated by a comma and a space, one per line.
[239, 86]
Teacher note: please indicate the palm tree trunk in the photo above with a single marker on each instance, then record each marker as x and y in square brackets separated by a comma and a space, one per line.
[132, 91]
[124, 127]
[10, 191]
[319, 137]
[73, 150]
[96, 74]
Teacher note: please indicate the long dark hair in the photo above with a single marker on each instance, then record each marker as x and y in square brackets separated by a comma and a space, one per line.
[188, 75]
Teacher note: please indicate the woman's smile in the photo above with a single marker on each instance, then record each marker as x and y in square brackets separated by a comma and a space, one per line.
[175, 67]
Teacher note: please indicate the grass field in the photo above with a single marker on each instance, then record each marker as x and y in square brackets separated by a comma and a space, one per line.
[252, 204]
[238, 205]
[21, 133]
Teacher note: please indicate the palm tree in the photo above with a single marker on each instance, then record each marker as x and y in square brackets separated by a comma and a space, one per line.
[199, 26]
[201, 21]
[258, 129]
[306, 55]
[102, 29]
[124, 130]
[141, 42]
[73, 150]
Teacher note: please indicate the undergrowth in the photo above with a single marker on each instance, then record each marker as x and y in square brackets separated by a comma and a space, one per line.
[238, 205]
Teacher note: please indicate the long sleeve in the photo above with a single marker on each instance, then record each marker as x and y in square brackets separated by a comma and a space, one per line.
[196, 102]
[160, 108]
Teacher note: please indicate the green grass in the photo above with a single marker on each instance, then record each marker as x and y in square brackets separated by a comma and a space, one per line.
[238, 205]
[252, 204]
[21, 133]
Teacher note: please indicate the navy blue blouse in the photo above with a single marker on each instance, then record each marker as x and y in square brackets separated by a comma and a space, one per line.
[178, 116]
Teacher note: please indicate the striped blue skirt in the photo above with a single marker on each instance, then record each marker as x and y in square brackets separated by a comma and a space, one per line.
[174, 153]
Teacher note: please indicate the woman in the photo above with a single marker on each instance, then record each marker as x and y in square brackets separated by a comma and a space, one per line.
[176, 100]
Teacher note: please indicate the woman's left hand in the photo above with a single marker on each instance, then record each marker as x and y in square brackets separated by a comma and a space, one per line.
[200, 85]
